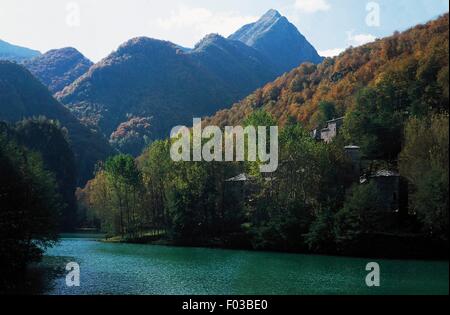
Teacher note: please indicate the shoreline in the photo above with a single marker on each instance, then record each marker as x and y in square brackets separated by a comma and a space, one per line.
[224, 246]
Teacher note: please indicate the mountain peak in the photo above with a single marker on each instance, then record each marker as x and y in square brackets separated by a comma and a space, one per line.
[142, 41]
[213, 37]
[137, 45]
[278, 40]
[209, 40]
[59, 55]
[68, 50]
[271, 15]
[58, 68]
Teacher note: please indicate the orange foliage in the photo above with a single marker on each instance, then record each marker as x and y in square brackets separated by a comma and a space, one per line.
[298, 93]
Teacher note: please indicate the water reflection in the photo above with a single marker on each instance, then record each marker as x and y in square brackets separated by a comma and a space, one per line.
[40, 278]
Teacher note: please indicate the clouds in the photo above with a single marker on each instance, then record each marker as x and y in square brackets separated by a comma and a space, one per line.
[312, 6]
[105, 24]
[204, 21]
[359, 39]
[331, 52]
[352, 40]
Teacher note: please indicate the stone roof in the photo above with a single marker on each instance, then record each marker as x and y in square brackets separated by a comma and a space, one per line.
[385, 173]
[335, 120]
[239, 178]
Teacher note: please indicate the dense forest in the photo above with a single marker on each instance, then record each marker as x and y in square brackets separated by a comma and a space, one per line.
[45, 153]
[394, 96]
[23, 96]
[30, 198]
[415, 62]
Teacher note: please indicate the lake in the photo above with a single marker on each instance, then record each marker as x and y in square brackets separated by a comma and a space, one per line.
[111, 268]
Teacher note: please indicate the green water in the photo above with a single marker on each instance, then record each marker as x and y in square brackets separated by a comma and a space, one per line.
[146, 269]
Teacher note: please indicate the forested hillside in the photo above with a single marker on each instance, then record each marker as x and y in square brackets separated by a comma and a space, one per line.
[58, 68]
[414, 62]
[23, 96]
[167, 85]
[152, 78]
[380, 187]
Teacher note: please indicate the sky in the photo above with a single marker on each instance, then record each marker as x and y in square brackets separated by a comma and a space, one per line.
[98, 27]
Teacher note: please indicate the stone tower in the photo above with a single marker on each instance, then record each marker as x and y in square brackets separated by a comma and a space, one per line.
[354, 153]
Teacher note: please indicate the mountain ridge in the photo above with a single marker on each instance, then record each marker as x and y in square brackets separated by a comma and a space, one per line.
[141, 66]
[296, 95]
[165, 85]
[16, 53]
[23, 96]
[218, 71]
[279, 40]
[58, 68]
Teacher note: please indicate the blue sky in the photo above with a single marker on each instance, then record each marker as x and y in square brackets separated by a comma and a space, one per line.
[97, 27]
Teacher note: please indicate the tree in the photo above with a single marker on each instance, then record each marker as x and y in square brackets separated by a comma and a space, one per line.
[156, 168]
[360, 215]
[95, 197]
[309, 178]
[376, 122]
[132, 136]
[51, 141]
[29, 205]
[424, 162]
[326, 111]
[124, 179]
[260, 118]
[320, 238]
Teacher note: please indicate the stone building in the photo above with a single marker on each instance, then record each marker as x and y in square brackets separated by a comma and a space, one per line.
[330, 132]
[354, 153]
[391, 187]
[388, 184]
